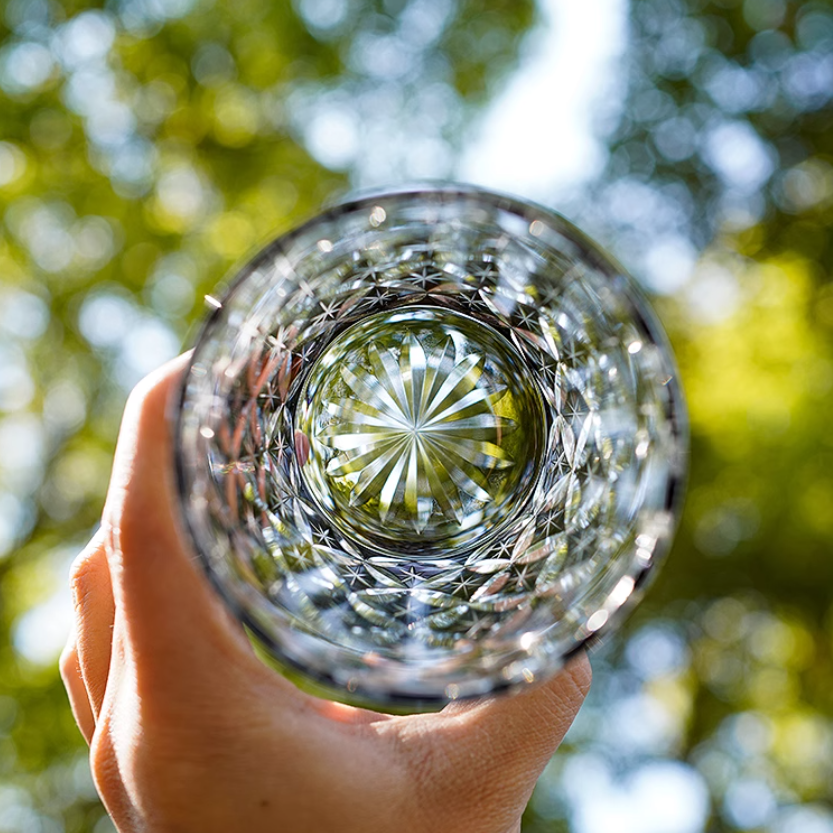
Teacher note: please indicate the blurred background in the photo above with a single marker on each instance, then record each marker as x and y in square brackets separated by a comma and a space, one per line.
[147, 146]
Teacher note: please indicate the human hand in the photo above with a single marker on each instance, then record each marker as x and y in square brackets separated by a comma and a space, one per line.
[190, 731]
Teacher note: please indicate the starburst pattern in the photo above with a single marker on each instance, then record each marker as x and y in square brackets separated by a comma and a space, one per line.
[419, 432]
[420, 424]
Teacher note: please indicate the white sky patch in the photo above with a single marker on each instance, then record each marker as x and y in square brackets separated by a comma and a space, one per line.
[656, 797]
[536, 138]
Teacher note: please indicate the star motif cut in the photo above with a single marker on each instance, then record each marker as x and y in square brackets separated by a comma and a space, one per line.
[464, 583]
[486, 274]
[421, 430]
[528, 319]
[328, 312]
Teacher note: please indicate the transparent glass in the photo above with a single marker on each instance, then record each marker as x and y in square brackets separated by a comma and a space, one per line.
[430, 444]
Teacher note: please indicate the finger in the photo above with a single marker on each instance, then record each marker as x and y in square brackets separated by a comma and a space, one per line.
[523, 730]
[94, 615]
[175, 625]
[76, 690]
[492, 751]
[119, 734]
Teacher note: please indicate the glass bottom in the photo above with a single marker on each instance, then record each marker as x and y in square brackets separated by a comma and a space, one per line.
[422, 429]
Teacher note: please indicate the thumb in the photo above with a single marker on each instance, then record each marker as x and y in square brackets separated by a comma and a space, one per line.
[488, 754]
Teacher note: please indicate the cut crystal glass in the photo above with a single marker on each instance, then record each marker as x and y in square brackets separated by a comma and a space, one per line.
[430, 444]
[424, 429]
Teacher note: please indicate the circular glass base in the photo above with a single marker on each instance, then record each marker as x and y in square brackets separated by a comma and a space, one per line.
[424, 430]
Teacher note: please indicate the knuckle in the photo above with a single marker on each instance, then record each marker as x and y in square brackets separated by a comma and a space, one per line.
[148, 394]
[79, 580]
[581, 674]
[68, 662]
[83, 575]
[80, 568]
[104, 765]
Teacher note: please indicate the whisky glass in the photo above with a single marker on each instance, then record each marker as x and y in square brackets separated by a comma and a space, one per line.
[430, 444]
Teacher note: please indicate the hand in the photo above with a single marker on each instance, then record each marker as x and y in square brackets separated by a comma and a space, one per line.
[189, 731]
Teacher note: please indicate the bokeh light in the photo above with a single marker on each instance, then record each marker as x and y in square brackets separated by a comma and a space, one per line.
[148, 146]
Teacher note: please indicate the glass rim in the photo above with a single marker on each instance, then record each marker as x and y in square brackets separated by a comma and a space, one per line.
[637, 305]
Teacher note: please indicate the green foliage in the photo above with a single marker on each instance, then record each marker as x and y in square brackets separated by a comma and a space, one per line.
[145, 153]
[724, 140]
[145, 150]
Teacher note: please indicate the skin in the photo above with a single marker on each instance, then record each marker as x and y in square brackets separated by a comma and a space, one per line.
[189, 731]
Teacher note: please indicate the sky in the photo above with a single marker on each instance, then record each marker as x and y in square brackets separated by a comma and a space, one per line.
[536, 138]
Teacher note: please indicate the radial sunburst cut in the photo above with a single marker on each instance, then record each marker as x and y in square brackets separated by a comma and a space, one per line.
[418, 425]
[421, 429]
